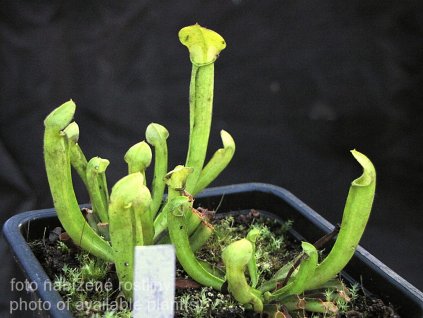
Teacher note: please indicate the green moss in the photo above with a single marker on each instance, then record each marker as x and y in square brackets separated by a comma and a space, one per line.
[206, 302]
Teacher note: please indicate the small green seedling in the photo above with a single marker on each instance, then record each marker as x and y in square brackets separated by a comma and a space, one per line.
[138, 212]
[236, 257]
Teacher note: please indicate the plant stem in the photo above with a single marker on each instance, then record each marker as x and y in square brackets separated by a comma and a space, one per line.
[204, 46]
[77, 157]
[97, 187]
[129, 225]
[156, 135]
[252, 263]
[58, 167]
[201, 106]
[356, 214]
[217, 163]
[299, 282]
[200, 236]
[179, 207]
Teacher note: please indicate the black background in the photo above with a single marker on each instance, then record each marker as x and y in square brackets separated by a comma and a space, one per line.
[299, 85]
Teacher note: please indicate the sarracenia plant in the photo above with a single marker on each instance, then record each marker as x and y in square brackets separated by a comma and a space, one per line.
[134, 214]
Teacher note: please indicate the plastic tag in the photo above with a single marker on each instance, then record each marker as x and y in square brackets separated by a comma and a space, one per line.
[154, 281]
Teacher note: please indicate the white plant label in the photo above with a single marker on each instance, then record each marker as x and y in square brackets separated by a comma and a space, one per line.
[154, 281]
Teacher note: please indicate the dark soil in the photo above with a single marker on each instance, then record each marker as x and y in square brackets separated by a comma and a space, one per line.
[192, 300]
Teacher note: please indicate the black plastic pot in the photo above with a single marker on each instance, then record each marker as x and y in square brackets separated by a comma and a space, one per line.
[308, 225]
